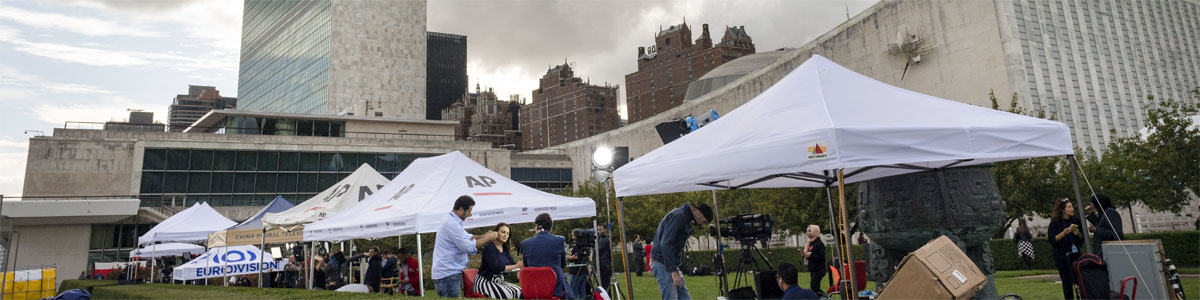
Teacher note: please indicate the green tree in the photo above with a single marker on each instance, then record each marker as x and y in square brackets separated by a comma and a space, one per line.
[1160, 169]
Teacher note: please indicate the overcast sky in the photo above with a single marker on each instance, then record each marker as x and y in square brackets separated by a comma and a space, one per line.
[90, 60]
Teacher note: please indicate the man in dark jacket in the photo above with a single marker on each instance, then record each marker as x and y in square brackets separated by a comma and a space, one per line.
[639, 251]
[604, 250]
[667, 254]
[547, 250]
[374, 268]
[389, 264]
[1106, 222]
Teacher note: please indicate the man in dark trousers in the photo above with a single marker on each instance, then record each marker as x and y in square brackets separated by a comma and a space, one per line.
[667, 254]
[639, 250]
[604, 250]
[547, 250]
[1106, 222]
[374, 268]
[786, 278]
[814, 257]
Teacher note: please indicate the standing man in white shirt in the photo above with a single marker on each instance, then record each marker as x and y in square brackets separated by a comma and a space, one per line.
[452, 248]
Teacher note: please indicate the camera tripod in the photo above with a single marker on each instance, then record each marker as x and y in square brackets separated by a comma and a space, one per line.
[746, 263]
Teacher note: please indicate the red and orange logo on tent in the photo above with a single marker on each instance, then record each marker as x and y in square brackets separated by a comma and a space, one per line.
[818, 150]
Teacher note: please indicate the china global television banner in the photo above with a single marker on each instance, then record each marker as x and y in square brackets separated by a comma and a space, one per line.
[226, 261]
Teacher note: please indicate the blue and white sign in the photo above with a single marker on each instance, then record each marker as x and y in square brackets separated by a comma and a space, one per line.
[226, 261]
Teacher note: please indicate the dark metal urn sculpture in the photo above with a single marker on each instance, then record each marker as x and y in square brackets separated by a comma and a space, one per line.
[901, 213]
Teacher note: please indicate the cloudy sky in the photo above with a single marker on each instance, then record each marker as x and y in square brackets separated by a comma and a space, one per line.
[90, 60]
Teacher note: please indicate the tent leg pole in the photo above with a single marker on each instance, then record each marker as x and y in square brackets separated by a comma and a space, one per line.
[624, 257]
[833, 229]
[721, 281]
[849, 290]
[262, 246]
[1087, 244]
[421, 265]
[153, 262]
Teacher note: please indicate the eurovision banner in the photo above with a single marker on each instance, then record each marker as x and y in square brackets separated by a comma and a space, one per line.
[226, 261]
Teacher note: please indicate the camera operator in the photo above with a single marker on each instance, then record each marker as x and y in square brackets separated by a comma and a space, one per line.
[583, 240]
[667, 253]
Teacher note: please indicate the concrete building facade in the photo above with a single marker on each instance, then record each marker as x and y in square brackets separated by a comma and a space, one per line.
[566, 108]
[185, 109]
[363, 57]
[446, 72]
[100, 189]
[666, 68]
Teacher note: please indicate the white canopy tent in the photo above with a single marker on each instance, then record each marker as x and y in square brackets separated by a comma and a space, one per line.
[859, 124]
[225, 261]
[190, 225]
[822, 121]
[418, 199]
[347, 192]
[168, 249]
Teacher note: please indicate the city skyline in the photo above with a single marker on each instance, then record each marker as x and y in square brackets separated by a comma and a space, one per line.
[90, 60]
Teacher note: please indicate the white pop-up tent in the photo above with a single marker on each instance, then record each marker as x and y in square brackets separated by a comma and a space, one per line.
[168, 249]
[249, 232]
[822, 117]
[347, 192]
[421, 196]
[190, 225]
[823, 124]
[225, 261]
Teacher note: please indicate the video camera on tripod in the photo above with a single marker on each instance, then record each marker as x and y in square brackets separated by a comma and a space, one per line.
[585, 241]
[745, 228]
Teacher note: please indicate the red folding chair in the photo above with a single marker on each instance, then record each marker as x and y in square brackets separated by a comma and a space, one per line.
[537, 282]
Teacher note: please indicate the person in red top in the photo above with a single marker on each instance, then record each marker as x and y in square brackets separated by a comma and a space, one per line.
[648, 247]
[410, 275]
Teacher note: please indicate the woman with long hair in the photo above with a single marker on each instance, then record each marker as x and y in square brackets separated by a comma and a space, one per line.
[1024, 239]
[1065, 239]
[497, 259]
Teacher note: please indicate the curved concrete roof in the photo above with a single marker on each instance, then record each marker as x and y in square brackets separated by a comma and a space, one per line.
[731, 71]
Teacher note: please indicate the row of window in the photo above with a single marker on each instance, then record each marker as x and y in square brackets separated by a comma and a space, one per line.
[252, 160]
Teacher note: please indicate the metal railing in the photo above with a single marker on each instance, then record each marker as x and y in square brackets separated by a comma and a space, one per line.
[276, 132]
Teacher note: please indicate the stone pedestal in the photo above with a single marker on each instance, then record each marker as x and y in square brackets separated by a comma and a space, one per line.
[902, 213]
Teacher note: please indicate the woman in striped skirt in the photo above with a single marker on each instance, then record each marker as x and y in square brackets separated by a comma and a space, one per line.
[497, 259]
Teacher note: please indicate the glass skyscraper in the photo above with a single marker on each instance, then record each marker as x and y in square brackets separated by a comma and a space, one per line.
[332, 57]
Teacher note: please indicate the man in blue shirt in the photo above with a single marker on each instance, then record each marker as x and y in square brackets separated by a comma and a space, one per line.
[452, 247]
[547, 250]
[667, 253]
[786, 277]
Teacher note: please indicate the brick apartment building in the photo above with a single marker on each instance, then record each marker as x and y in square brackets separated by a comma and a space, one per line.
[666, 68]
[566, 108]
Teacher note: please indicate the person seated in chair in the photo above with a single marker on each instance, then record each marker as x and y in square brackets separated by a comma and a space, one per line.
[547, 250]
[786, 278]
[410, 277]
[497, 259]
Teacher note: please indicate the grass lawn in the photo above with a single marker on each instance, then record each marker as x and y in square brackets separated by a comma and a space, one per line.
[701, 287]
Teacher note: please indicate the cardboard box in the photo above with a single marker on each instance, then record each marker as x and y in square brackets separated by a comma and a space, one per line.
[939, 270]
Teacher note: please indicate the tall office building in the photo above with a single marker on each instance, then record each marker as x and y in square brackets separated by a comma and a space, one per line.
[361, 57]
[185, 109]
[666, 68]
[566, 108]
[446, 73]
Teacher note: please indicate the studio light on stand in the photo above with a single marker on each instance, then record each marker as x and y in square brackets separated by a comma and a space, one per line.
[605, 160]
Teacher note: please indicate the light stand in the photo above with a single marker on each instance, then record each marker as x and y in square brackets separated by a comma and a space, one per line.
[602, 168]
